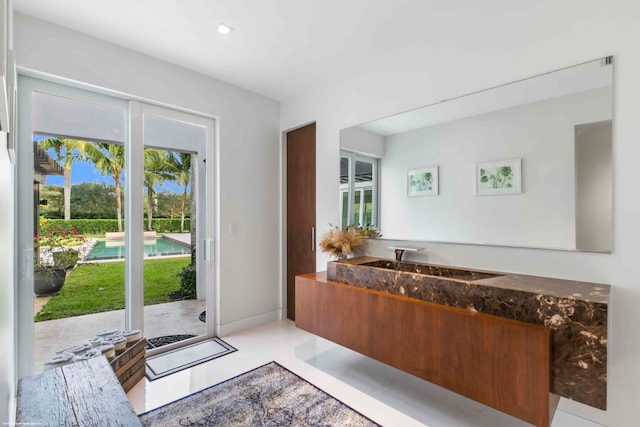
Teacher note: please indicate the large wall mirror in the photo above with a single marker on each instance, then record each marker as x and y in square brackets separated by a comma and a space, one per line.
[525, 164]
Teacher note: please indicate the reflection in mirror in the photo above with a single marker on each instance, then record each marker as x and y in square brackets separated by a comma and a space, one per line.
[555, 127]
[358, 190]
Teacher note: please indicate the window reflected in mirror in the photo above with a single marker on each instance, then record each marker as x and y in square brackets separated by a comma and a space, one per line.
[358, 190]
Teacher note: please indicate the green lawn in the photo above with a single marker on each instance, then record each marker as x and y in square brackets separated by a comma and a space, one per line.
[94, 288]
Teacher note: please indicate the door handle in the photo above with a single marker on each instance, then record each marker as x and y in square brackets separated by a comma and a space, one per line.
[313, 239]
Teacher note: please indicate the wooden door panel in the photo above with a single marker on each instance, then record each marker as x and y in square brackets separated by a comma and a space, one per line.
[301, 207]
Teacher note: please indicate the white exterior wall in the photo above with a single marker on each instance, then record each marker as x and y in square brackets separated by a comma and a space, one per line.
[483, 51]
[249, 152]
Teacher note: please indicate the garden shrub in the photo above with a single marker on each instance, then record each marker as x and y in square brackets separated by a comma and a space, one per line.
[101, 226]
[188, 281]
[168, 225]
[88, 226]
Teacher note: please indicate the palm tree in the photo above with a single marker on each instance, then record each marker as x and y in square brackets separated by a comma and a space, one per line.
[156, 169]
[67, 151]
[181, 163]
[109, 160]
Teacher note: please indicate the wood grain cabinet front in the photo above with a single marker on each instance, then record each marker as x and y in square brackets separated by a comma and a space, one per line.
[499, 362]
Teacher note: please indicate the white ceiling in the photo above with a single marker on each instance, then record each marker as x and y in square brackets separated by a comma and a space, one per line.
[281, 48]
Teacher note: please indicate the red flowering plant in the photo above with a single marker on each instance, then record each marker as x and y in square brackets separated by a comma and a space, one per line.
[54, 245]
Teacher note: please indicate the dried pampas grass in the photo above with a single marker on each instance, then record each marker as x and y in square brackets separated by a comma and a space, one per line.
[344, 242]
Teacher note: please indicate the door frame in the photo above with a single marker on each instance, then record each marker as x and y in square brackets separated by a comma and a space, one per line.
[31, 80]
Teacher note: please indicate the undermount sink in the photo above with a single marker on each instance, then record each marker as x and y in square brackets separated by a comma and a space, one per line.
[430, 270]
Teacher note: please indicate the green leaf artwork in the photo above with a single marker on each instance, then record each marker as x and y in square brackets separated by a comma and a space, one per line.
[496, 178]
[423, 181]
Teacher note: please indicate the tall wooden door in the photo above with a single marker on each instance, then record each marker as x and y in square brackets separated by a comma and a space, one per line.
[301, 208]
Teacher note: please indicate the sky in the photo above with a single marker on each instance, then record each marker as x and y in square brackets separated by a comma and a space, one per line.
[80, 171]
[86, 172]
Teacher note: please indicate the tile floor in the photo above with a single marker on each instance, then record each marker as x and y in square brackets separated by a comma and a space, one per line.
[385, 394]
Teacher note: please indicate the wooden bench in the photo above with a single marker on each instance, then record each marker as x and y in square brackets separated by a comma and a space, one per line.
[130, 365]
[85, 393]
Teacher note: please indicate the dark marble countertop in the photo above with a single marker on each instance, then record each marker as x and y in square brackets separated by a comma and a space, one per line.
[577, 312]
[561, 288]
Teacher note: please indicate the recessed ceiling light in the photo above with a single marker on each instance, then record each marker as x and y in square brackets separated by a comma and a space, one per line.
[224, 29]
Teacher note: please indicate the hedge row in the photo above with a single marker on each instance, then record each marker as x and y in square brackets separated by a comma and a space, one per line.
[168, 225]
[101, 226]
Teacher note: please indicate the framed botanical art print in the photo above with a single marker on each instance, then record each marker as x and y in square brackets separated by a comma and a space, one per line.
[499, 177]
[422, 182]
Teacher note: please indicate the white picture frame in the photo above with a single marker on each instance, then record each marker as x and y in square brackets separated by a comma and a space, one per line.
[422, 182]
[499, 177]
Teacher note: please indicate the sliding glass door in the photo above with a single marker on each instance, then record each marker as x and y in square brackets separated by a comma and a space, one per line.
[137, 210]
[177, 222]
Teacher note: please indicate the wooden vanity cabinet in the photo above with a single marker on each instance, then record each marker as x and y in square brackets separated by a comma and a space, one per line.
[499, 362]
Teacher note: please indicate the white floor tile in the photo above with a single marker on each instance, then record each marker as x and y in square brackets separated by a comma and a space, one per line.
[384, 394]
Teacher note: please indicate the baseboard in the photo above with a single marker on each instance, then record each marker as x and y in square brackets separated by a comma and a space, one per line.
[248, 323]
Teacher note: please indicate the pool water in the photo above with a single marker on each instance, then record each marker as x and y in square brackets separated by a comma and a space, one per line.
[114, 249]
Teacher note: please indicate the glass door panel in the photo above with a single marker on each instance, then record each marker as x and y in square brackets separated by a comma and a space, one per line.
[357, 205]
[363, 183]
[66, 116]
[358, 190]
[175, 227]
[368, 207]
[167, 190]
[345, 167]
[75, 201]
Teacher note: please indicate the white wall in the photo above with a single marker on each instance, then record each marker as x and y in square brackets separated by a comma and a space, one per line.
[482, 51]
[249, 151]
[593, 185]
[540, 133]
[7, 292]
[362, 142]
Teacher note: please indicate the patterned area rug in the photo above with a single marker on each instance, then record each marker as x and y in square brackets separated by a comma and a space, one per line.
[266, 396]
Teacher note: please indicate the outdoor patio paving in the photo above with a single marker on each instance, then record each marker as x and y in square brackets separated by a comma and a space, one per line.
[174, 318]
[180, 237]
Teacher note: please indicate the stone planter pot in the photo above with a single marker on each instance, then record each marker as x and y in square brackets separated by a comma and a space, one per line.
[49, 280]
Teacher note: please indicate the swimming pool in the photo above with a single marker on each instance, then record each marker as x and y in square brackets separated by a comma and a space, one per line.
[114, 249]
